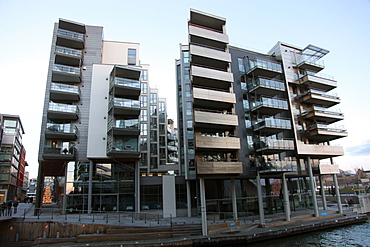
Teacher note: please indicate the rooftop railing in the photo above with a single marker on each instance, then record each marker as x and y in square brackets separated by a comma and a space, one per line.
[70, 34]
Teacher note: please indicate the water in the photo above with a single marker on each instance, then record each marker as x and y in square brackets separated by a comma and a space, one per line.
[354, 235]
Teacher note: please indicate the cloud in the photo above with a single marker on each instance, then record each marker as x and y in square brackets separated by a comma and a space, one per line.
[360, 150]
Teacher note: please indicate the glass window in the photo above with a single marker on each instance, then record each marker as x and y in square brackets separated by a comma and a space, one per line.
[143, 101]
[187, 90]
[153, 136]
[144, 115]
[153, 162]
[143, 129]
[189, 124]
[186, 57]
[162, 106]
[161, 129]
[126, 143]
[153, 149]
[144, 87]
[131, 57]
[143, 143]
[153, 110]
[187, 73]
[241, 65]
[162, 141]
[162, 117]
[162, 153]
[144, 159]
[153, 122]
[153, 98]
[10, 123]
[144, 75]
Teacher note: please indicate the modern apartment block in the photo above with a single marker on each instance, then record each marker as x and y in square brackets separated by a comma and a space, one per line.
[13, 175]
[104, 130]
[254, 129]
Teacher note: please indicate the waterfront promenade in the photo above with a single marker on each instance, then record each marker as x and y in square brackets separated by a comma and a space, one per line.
[147, 229]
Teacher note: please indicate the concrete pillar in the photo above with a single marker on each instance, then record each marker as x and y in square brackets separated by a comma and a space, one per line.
[169, 196]
[64, 207]
[188, 197]
[340, 210]
[89, 195]
[137, 187]
[39, 190]
[203, 206]
[324, 205]
[260, 201]
[312, 185]
[286, 198]
[233, 197]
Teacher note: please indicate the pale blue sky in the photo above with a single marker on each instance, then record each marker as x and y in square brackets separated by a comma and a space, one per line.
[343, 27]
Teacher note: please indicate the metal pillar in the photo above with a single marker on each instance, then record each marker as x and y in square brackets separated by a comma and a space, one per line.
[89, 195]
[188, 197]
[260, 201]
[203, 208]
[39, 190]
[137, 187]
[286, 199]
[340, 210]
[312, 185]
[233, 197]
[324, 205]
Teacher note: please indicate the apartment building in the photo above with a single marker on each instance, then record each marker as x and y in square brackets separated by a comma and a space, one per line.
[254, 129]
[103, 127]
[13, 175]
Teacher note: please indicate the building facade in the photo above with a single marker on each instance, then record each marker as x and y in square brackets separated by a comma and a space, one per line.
[254, 129]
[103, 127]
[13, 175]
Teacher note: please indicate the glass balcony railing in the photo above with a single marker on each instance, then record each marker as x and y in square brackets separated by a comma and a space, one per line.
[269, 102]
[269, 143]
[310, 59]
[278, 165]
[70, 34]
[172, 148]
[127, 82]
[332, 111]
[332, 95]
[66, 69]
[279, 85]
[244, 86]
[68, 51]
[129, 103]
[246, 105]
[62, 128]
[320, 75]
[265, 65]
[60, 87]
[127, 124]
[273, 123]
[330, 127]
[63, 107]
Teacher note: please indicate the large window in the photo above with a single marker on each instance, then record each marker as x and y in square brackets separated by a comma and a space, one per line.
[162, 106]
[144, 115]
[126, 143]
[153, 136]
[144, 75]
[153, 110]
[153, 122]
[143, 129]
[144, 87]
[186, 57]
[241, 65]
[131, 57]
[143, 101]
[153, 98]
[143, 143]
[162, 117]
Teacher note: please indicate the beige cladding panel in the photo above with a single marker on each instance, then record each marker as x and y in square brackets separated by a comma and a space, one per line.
[307, 149]
[205, 94]
[219, 167]
[217, 142]
[215, 118]
[210, 53]
[117, 52]
[329, 169]
[212, 74]
[208, 34]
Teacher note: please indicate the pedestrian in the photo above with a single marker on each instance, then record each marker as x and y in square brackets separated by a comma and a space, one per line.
[15, 205]
[9, 208]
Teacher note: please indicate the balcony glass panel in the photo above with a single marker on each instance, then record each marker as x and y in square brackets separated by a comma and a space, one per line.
[273, 164]
[127, 124]
[61, 128]
[266, 142]
[65, 88]
[265, 65]
[68, 51]
[127, 82]
[311, 59]
[70, 34]
[269, 102]
[323, 94]
[267, 83]
[63, 107]
[330, 127]
[332, 111]
[273, 123]
[66, 69]
[59, 148]
[320, 75]
[129, 103]
[172, 148]
[126, 143]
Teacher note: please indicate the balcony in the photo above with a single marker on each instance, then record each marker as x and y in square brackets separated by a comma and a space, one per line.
[214, 142]
[61, 132]
[125, 106]
[263, 68]
[64, 92]
[124, 147]
[274, 146]
[322, 114]
[64, 73]
[172, 148]
[319, 98]
[270, 126]
[70, 39]
[277, 166]
[67, 153]
[319, 151]
[211, 78]
[324, 133]
[318, 81]
[209, 37]
[209, 57]
[62, 111]
[268, 87]
[124, 127]
[310, 63]
[126, 87]
[219, 167]
[171, 138]
[67, 56]
[218, 119]
[269, 106]
[213, 98]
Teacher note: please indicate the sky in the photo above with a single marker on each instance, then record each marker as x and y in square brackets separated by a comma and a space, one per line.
[340, 26]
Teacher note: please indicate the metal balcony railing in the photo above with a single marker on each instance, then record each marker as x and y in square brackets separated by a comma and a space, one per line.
[127, 82]
[274, 84]
[68, 51]
[63, 107]
[60, 87]
[66, 69]
[70, 34]
[264, 65]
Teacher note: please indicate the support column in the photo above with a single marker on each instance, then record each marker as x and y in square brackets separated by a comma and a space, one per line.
[286, 199]
[89, 195]
[64, 206]
[260, 201]
[324, 205]
[203, 208]
[233, 197]
[312, 185]
[137, 187]
[39, 190]
[340, 210]
[188, 197]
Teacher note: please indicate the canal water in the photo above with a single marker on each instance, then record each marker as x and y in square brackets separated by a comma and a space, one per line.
[354, 235]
